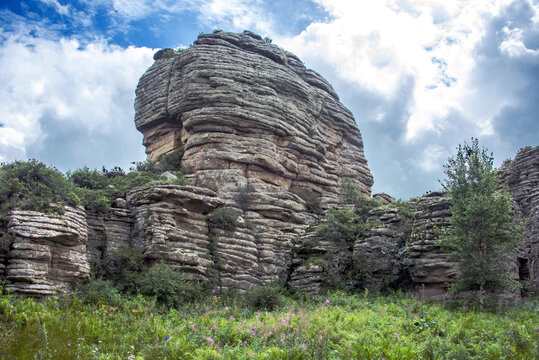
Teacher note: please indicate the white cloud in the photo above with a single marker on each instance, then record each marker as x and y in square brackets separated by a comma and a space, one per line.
[65, 83]
[379, 44]
[432, 158]
[513, 44]
[61, 9]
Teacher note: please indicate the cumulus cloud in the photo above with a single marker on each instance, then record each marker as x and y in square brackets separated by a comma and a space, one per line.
[49, 85]
[424, 81]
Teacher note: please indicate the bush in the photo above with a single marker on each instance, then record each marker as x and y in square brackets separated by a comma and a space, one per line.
[267, 297]
[123, 267]
[312, 201]
[352, 195]
[224, 218]
[97, 190]
[31, 185]
[243, 198]
[340, 225]
[99, 292]
[168, 287]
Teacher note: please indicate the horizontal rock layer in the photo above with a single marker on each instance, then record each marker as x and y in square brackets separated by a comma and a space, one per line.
[427, 263]
[48, 252]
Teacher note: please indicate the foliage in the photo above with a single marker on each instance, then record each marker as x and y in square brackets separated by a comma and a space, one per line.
[334, 326]
[312, 201]
[167, 286]
[97, 190]
[340, 225]
[267, 297]
[224, 218]
[31, 185]
[5, 242]
[123, 267]
[352, 195]
[243, 197]
[483, 236]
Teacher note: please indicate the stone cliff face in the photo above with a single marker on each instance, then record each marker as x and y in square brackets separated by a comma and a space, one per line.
[48, 253]
[522, 178]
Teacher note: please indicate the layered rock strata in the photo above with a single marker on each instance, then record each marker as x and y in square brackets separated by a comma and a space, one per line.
[427, 263]
[244, 109]
[48, 252]
[249, 115]
[522, 178]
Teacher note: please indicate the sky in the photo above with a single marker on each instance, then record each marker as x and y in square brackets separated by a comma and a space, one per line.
[420, 76]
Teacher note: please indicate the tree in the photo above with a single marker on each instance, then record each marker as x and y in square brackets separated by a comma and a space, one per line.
[483, 236]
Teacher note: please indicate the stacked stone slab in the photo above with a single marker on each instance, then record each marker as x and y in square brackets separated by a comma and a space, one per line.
[522, 178]
[427, 263]
[250, 115]
[48, 253]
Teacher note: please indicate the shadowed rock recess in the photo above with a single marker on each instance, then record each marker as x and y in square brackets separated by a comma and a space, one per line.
[266, 144]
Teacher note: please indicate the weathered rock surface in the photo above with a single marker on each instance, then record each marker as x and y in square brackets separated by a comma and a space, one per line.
[246, 109]
[522, 178]
[379, 249]
[249, 114]
[48, 251]
[427, 263]
[108, 232]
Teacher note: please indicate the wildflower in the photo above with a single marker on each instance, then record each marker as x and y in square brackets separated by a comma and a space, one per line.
[214, 327]
[258, 313]
[244, 343]
[397, 336]
[327, 302]
[232, 318]
[166, 338]
[226, 308]
[253, 327]
[210, 340]
[507, 348]
[196, 307]
[258, 322]
[253, 332]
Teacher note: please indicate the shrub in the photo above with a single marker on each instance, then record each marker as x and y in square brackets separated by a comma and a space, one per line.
[170, 161]
[340, 225]
[99, 292]
[168, 287]
[312, 201]
[266, 297]
[352, 195]
[243, 197]
[31, 185]
[123, 267]
[5, 242]
[224, 218]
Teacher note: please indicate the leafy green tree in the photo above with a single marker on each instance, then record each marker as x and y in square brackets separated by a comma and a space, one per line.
[483, 236]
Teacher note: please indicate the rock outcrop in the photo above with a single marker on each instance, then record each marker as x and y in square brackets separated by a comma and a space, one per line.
[245, 111]
[427, 263]
[48, 252]
[379, 249]
[249, 115]
[522, 178]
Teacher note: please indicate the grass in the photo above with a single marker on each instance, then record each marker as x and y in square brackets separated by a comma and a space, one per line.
[335, 326]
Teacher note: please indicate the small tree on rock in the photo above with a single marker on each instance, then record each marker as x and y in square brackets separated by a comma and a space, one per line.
[483, 235]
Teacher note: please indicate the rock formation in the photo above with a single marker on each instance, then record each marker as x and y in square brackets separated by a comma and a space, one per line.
[266, 144]
[522, 178]
[48, 252]
[249, 115]
[247, 112]
[427, 263]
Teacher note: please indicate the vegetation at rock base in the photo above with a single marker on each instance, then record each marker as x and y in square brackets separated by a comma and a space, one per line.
[483, 236]
[334, 326]
[312, 201]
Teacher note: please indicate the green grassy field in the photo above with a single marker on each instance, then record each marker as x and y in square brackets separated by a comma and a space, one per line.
[335, 326]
